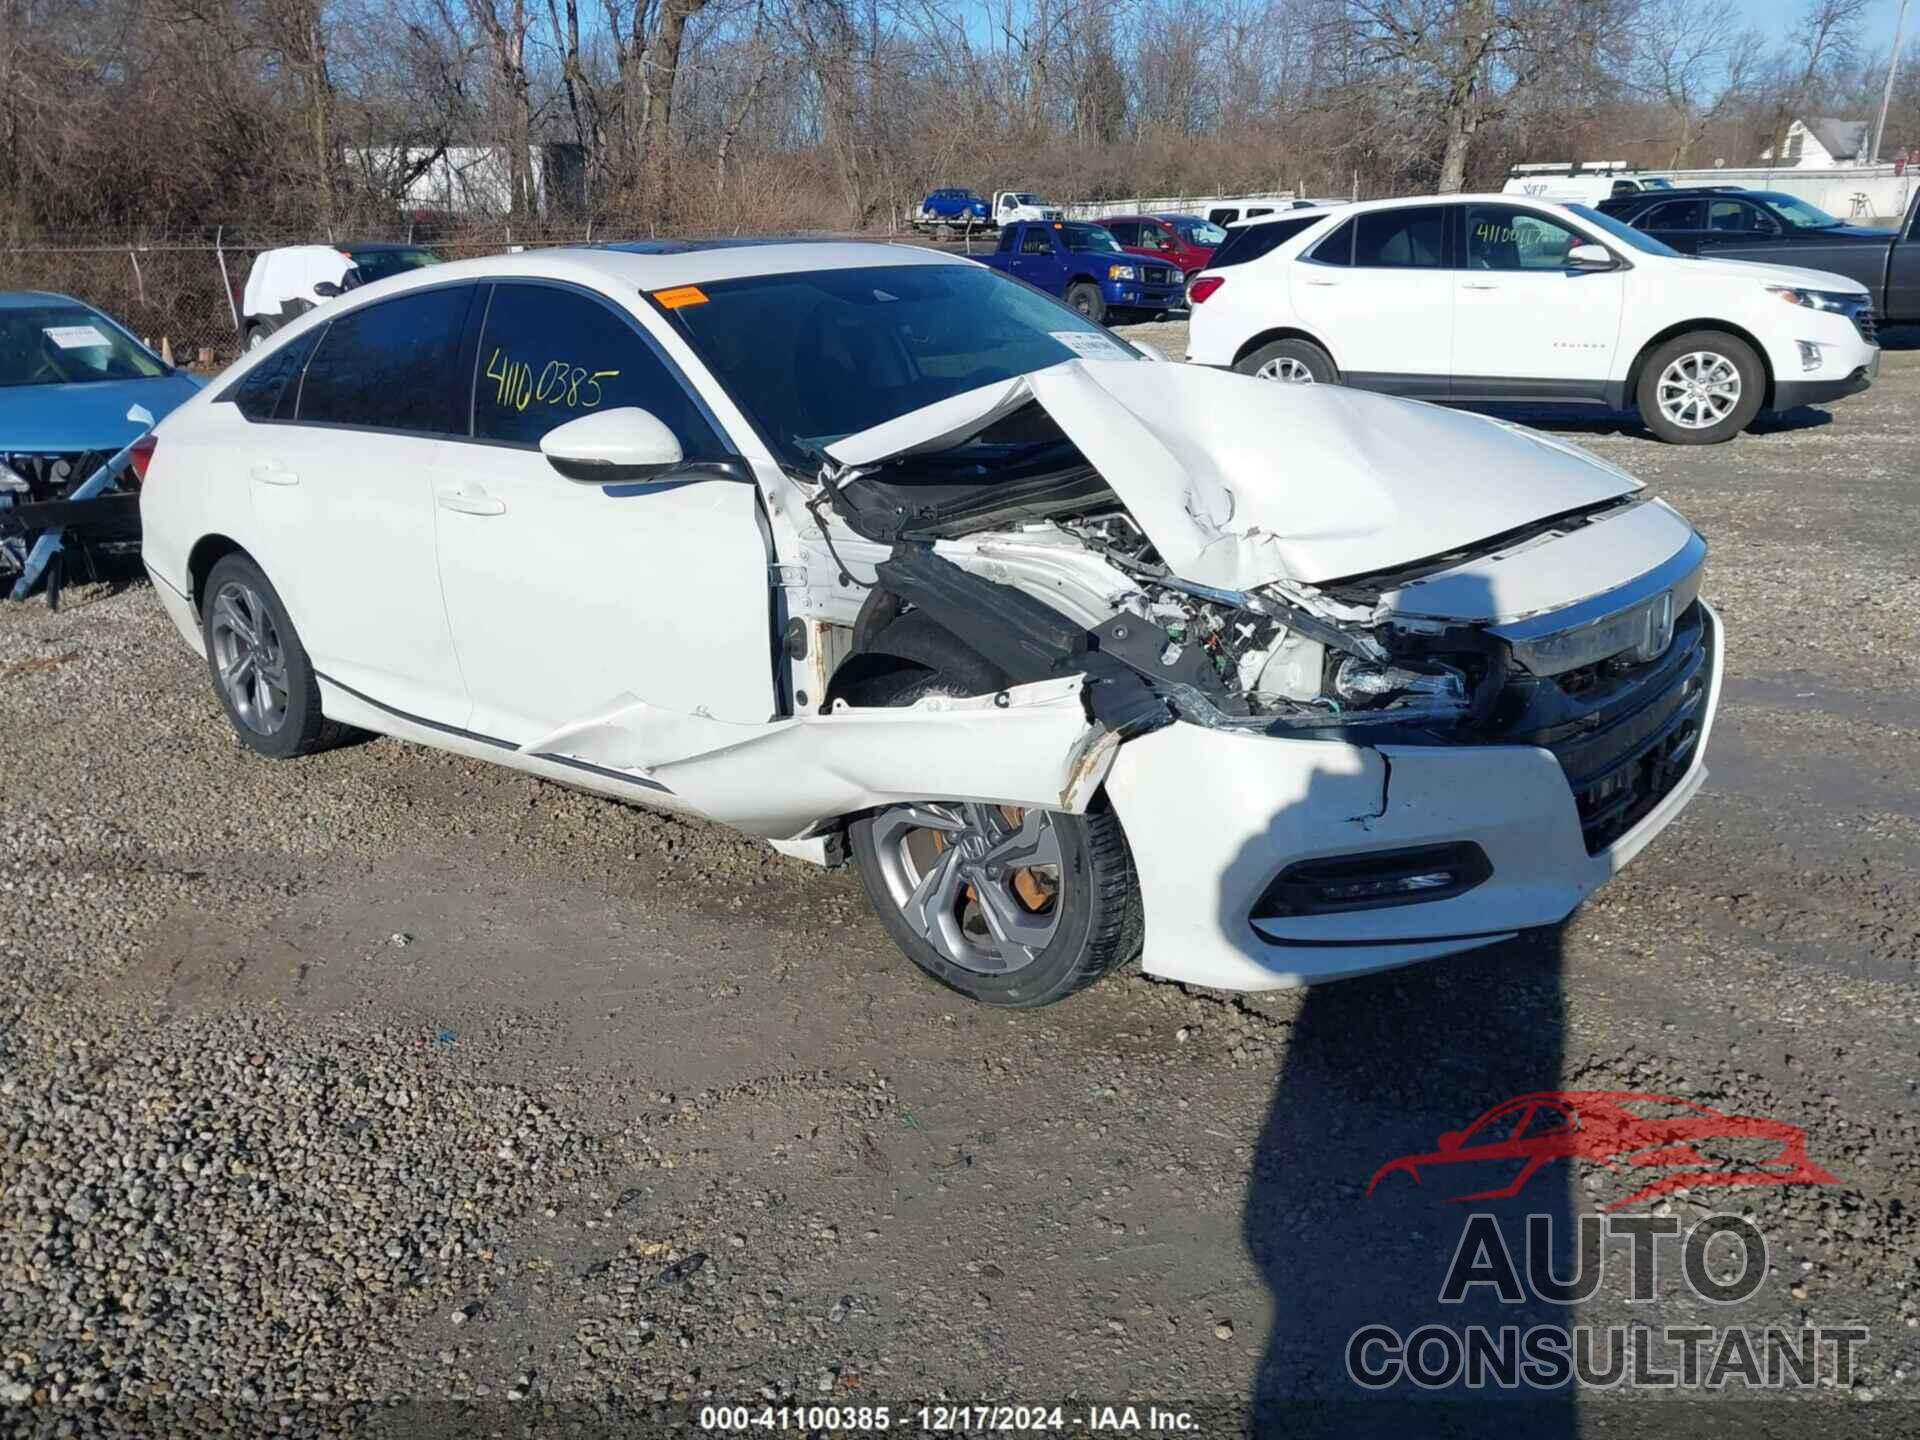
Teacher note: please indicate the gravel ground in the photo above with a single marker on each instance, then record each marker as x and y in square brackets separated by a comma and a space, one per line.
[385, 1089]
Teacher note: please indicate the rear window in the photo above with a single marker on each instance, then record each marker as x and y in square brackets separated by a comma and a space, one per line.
[1250, 242]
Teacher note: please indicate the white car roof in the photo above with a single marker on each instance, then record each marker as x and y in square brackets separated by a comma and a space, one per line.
[1347, 207]
[658, 264]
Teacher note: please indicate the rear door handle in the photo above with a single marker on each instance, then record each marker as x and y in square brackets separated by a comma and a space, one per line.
[1478, 285]
[465, 502]
[1328, 283]
[272, 472]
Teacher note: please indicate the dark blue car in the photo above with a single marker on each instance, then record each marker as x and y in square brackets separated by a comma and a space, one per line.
[75, 390]
[954, 207]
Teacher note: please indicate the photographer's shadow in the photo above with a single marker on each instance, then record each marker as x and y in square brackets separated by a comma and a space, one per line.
[1376, 1068]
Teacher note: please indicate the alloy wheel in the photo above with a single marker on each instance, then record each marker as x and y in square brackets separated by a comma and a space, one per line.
[252, 661]
[1287, 369]
[979, 883]
[1698, 390]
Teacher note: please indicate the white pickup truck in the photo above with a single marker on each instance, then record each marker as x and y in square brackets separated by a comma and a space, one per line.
[1012, 206]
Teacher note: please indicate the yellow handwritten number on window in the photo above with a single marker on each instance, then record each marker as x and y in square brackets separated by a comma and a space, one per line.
[559, 383]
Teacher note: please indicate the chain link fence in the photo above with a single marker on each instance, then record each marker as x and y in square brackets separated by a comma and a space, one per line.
[186, 294]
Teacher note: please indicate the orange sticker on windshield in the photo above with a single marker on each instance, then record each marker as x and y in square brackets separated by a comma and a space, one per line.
[679, 296]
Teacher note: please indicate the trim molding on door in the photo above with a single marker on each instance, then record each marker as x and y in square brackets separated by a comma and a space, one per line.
[493, 740]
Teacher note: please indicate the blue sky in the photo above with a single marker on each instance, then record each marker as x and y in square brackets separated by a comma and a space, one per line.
[1779, 15]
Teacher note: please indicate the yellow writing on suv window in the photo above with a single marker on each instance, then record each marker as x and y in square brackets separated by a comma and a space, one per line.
[515, 385]
[1490, 234]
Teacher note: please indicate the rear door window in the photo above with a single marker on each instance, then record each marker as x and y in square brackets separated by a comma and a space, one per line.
[393, 366]
[549, 355]
[1127, 232]
[1673, 215]
[1410, 239]
[1036, 241]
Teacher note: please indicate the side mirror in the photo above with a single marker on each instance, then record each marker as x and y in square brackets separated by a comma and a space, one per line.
[326, 289]
[612, 445]
[1589, 257]
[1450, 1140]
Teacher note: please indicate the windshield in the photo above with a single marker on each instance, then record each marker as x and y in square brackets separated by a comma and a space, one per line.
[1799, 214]
[1089, 237]
[1027, 200]
[1625, 234]
[68, 345]
[1657, 184]
[379, 264]
[1198, 232]
[815, 356]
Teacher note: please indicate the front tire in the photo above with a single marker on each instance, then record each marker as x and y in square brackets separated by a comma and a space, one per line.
[258, 333]
[1290, 362]
[259, 667]
[1012, 907]
[1701, 388]
[1088, 300]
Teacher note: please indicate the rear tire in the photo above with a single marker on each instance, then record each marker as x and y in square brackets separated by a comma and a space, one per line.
[258, 333]
[1701, 388]
[1290, 362]
[260, 669]
[1090, 921]
[1088, 300]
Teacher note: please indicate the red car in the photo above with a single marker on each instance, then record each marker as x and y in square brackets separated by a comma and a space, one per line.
[1186, 241]
[1620, 1129]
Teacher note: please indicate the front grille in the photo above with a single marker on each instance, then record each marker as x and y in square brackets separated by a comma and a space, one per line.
[1624, 735]
[1156, 275]
[1867, 324]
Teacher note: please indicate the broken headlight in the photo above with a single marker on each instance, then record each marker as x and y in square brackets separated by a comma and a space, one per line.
[1356, 682]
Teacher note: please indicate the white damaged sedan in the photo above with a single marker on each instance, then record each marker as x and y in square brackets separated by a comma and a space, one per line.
[881, 555]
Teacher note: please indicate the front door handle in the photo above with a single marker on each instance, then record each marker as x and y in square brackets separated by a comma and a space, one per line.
[272, 472]
[465, 502]
[1327, 283]
[1478, 285]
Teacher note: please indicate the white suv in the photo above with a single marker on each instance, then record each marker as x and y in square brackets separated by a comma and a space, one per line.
[1486, 299]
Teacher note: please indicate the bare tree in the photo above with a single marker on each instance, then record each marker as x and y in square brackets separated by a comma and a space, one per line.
[1825, 40]
[1694, 60]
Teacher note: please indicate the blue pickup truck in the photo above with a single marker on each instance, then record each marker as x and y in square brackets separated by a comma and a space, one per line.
[1084, 265]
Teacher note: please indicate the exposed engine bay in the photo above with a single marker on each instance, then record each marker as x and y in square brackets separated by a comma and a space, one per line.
[1437, 644]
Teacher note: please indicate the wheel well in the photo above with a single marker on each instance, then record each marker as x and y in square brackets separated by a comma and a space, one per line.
[1721, 327]
[208, 551]
[1284, 332]
[1083, 280]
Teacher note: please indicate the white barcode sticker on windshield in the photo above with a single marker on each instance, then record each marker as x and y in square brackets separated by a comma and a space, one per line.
[1090, 346]
[76, 337]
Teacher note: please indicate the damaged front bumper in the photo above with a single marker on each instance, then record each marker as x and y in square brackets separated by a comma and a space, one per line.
[1214, 817]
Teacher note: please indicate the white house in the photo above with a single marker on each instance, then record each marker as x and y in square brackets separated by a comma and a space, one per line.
[1822, 143]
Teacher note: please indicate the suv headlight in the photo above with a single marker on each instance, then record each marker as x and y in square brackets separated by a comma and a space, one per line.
[1840, 302]
[1122, 272]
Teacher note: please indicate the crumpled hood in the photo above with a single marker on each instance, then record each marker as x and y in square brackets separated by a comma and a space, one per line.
[60, 419]
[1240, 482]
